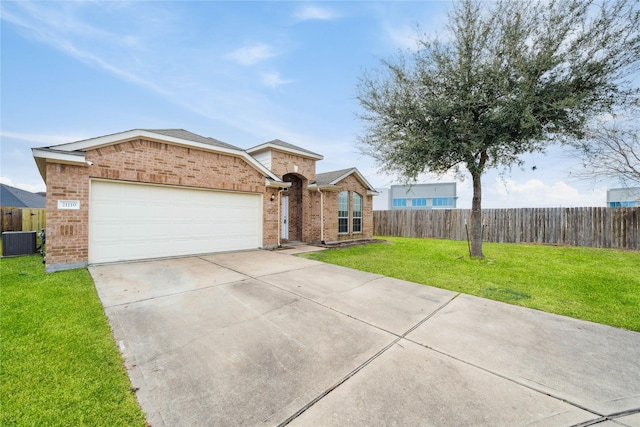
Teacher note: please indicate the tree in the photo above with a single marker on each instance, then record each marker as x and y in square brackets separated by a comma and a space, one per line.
[509, 81]
[611, 151]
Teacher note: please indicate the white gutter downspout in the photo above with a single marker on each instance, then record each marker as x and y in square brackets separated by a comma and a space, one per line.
[321, 216]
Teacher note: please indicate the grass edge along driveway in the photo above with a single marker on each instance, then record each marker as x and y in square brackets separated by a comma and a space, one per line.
[598, 285]
[59, 364]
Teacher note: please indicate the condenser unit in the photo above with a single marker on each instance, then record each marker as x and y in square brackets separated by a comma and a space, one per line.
[18, 243]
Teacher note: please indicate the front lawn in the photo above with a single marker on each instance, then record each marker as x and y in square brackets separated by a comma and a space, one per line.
[58, 362]
[599, 285]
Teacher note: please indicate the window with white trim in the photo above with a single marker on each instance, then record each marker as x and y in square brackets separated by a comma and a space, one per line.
[357, 213]
[343, 212]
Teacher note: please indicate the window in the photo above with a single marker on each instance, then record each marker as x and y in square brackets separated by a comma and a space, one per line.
[357, 213]
[622, 204]
[442, 202]
[422, 202]
[399, 203]
[343, 212]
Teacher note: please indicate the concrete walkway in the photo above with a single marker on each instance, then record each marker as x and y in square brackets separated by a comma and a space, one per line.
[265, 338]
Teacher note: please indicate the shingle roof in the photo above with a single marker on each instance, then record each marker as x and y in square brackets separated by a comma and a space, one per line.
[333, 177]
[286, 146]
[15, 197]
[190, 136]
[327, 178]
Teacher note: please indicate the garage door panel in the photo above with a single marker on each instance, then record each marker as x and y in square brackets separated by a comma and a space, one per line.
[130, 221]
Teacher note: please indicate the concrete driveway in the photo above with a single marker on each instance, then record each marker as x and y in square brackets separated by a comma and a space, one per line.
[266, 338]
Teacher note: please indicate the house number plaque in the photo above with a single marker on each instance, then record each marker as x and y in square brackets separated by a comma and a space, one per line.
[69, 204]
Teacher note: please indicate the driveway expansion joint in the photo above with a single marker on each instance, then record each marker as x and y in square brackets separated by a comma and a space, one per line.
[363, 365]
[244, 273]
[601, 417]
[219, 361]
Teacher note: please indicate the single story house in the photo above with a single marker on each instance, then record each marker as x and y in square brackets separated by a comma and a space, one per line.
[152, 193]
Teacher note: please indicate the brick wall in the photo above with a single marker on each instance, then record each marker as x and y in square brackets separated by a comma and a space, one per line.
[352, 185]
[141, 161]
[154, 162]
[300, 208]
[283, 163]
[67, 230]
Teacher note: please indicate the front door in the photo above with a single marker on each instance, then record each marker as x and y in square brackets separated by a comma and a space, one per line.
[285, 218]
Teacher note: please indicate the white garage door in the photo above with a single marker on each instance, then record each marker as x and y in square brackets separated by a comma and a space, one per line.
[132, 221]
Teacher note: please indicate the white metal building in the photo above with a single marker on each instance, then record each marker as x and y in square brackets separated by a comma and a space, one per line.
[418, 196]
[628, 197]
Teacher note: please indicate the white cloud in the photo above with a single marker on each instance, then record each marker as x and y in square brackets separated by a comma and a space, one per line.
[27, 187]
[189, 75]
[499, 192]
[402, 30]
[59, 28]
[40, 139]
[309, 13]
[403, 37]
[536, 193]
[273, 79]
[250, 55]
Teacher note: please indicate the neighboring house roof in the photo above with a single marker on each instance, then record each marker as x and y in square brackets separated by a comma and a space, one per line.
[284, 146]
[331, 179]
[17, 198]
[74, 152]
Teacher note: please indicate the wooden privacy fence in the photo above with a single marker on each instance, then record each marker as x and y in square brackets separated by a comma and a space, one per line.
[595, 227]
[22, 219]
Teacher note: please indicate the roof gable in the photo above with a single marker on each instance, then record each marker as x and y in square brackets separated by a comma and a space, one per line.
[74, 152]
[190, 136]
[280, 145]
[178, 136]
[334, 177]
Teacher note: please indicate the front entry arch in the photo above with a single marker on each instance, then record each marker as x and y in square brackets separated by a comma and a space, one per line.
[294, 209]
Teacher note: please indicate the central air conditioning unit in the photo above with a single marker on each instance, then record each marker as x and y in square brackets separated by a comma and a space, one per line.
[18, 243]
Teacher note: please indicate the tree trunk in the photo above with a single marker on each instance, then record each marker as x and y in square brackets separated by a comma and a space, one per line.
[476, 216]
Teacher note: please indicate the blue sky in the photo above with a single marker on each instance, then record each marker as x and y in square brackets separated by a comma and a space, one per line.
[241, 72]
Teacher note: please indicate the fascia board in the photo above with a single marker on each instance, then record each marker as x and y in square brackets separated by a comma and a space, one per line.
[269, 146]
[364, 181]
[103, 141]
[325, 187]
[76, 158]
[277, 184]
[343, 176]
[256, 164]
[42, 156]
[359, 177]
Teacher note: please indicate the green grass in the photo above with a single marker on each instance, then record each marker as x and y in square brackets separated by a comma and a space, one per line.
[599, 285]
[58, 361]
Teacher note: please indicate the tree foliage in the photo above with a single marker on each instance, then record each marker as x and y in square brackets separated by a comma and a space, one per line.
[509, 80]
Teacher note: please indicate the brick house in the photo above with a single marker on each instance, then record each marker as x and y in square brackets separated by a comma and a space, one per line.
[144, 194]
